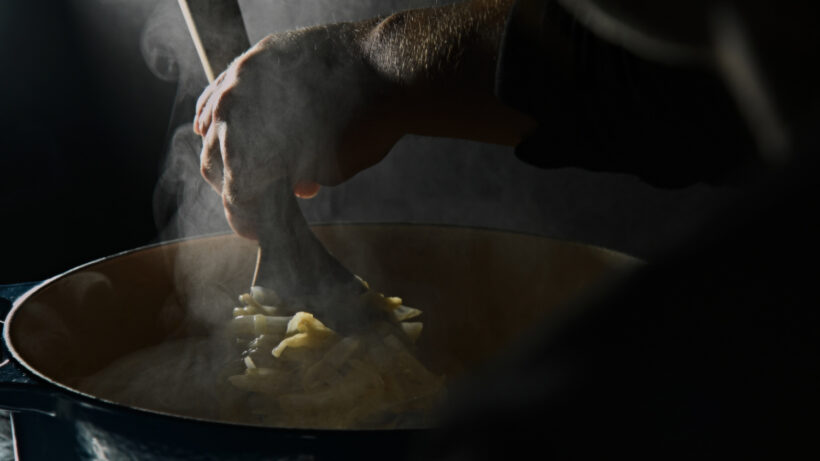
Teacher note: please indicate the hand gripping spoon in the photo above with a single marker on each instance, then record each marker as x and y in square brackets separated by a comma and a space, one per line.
[291, 261]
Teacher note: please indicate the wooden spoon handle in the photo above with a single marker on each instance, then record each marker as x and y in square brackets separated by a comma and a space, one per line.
[218, 32]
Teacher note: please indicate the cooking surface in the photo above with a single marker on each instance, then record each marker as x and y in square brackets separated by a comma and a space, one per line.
[8, 293]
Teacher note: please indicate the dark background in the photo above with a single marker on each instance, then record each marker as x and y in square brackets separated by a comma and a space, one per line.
[85, 123]
[88, 91]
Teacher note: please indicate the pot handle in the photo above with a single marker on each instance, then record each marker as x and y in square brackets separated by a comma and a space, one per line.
[18, 391]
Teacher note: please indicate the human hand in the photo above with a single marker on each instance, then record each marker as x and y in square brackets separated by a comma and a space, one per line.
[318, 105]
[302, 106]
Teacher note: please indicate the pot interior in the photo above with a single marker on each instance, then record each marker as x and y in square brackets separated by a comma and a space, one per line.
[478, 290]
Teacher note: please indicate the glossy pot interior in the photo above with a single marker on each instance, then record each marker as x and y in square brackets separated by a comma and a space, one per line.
[478, 290]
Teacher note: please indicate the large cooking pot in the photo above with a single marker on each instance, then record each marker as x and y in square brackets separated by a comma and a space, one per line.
[478, 290]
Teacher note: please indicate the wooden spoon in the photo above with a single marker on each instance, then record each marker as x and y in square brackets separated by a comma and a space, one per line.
[291, 260]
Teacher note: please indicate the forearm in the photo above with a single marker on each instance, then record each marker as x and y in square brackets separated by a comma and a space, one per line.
[443, 62]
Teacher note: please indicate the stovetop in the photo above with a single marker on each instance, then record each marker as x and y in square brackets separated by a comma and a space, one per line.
[8, 293]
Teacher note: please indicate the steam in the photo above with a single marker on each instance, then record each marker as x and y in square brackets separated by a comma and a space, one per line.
[184, 204]
[191, 206]
[423, 179]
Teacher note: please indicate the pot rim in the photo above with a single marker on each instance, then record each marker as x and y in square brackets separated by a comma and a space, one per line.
[98, 403]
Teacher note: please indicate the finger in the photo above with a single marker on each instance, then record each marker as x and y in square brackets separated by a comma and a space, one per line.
[248, 165]
[306, 189]
[200, 127]
[241, 216]
[240, 183]
[205, 105]
[243, 219]
[210, 160]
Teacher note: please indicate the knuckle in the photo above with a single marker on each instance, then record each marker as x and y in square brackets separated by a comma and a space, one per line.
[236, 89]
[245, 65]
[208, 171]
[205, 171]
[223, 105]
[234, 167]
[224, 100]
[248, 70]
[233, 192]
[203, 99]
[221, 77]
